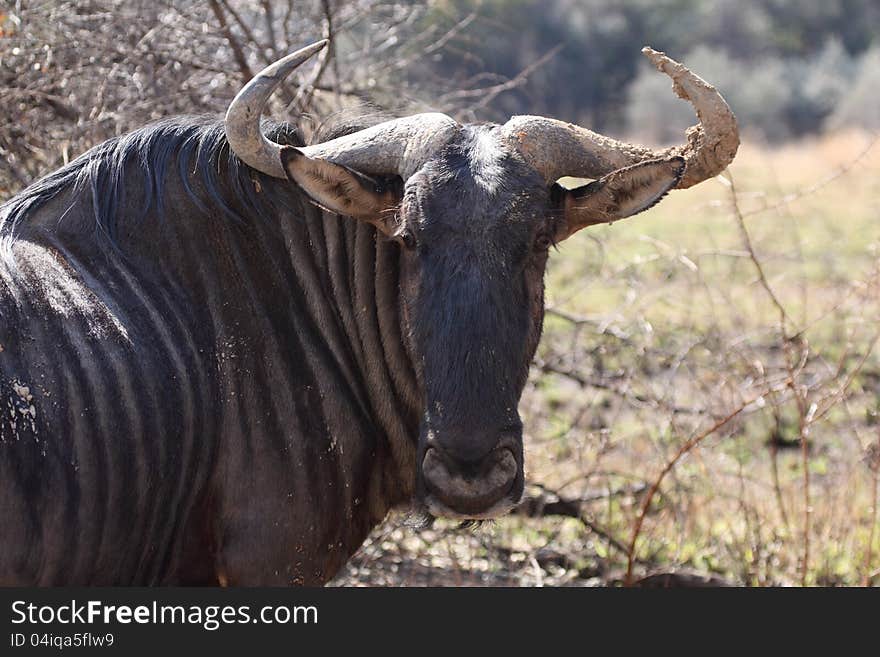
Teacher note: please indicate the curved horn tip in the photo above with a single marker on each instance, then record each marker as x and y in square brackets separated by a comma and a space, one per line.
[242, 122]
[661, 60]
[311, 49]
[287, 64]
[712, 144]
[657, 57]
[654, 55]
[686, 84]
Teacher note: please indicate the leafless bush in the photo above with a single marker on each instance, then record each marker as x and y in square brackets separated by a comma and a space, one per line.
[77, 73]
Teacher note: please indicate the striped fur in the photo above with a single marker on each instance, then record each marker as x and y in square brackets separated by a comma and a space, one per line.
[202, 376]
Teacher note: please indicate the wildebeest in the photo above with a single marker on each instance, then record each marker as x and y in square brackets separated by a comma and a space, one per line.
[225, 354]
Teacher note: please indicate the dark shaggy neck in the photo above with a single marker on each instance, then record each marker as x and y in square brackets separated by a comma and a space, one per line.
[253, 381]
[304, 310]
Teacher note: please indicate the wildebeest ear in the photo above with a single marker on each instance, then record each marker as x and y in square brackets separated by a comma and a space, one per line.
[620, 194]
[342, 190]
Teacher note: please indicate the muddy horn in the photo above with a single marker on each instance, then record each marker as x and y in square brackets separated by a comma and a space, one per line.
[398, 147]
[556, 148]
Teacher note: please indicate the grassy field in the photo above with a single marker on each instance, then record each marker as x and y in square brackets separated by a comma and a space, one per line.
[706, 398]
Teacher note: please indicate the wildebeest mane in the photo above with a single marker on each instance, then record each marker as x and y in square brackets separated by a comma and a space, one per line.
[214, 179]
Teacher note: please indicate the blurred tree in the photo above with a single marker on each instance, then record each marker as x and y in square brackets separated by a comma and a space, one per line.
[807, 48]
[860, 105]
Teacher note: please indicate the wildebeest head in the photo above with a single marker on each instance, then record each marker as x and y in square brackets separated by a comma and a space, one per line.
[475, 210]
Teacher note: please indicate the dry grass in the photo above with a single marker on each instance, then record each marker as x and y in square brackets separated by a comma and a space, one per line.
[709, 388]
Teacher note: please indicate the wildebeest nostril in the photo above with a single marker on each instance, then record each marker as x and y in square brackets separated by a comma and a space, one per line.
[469, 492]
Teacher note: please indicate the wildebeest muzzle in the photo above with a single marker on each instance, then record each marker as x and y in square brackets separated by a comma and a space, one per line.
[461, 480]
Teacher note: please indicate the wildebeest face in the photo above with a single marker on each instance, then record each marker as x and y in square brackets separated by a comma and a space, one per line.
[474, 226]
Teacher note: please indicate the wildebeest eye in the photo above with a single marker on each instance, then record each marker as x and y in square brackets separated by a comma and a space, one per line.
[543, 242]
[407, 239]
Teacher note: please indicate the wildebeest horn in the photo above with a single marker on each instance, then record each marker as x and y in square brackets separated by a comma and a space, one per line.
[243, 115]
[399, 146]
[557, 149]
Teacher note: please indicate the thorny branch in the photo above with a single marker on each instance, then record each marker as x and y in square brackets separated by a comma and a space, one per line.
[655, 486]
